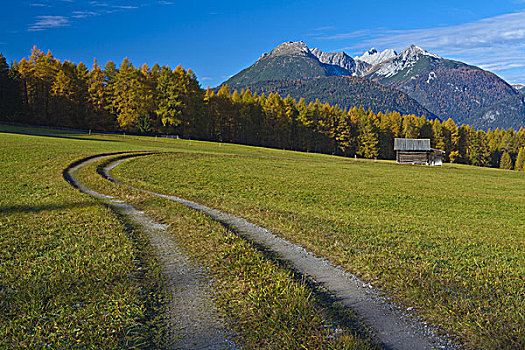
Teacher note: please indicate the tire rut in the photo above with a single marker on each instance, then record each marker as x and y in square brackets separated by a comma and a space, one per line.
[192, 318]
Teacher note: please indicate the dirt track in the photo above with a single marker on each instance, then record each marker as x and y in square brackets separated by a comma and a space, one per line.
[191, 315]
[392, 327]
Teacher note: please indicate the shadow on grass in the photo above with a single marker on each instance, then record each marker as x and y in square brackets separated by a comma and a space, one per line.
[57, 135]
[11, 209]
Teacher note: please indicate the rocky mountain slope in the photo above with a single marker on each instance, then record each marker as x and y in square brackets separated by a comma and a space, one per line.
[293, 69]
[510, 110]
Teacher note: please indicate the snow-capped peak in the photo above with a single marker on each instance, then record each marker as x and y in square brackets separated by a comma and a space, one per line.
[405, 60]
[414, 50]
[373, 57]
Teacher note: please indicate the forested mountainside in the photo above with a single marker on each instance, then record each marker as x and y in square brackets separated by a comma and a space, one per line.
[512, 109]
[346, 92]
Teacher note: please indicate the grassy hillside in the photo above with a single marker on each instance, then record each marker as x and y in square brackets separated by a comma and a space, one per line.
[447, 241]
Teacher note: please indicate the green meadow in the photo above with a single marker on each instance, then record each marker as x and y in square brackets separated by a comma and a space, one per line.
[447, 242]
[74, 274]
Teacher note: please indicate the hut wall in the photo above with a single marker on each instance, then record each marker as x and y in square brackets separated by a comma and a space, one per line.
[412, 157]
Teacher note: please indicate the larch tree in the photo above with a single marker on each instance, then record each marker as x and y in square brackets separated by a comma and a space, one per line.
[96, 85]
[478, 150]
[520, 160]
[130, 96]
[169, 100]
[505, 161]
[368, 139]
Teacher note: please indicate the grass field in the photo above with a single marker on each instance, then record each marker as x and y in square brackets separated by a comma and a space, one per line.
[447, 241]
[74, 275]
[68, 266]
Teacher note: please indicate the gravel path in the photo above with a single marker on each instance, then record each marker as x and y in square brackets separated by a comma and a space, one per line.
[191, 314]
[393, 327]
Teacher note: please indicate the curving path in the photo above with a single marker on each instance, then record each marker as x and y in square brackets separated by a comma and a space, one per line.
[191, 315]
[393, 328]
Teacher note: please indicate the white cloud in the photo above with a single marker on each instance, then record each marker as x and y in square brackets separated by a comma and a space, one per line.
[98, 3]
[48, 22]
[84, 14]
[89, 9]
[322, 29]
[125, 7]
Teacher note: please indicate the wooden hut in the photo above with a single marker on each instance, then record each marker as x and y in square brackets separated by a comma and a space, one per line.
[417, 151]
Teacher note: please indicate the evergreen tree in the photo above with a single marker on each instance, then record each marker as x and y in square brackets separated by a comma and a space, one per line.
[5, 86]
[386, 135]
[9, 91]
[464, 133]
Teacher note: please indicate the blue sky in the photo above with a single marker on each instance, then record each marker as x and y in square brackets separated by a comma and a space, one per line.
[218, 38]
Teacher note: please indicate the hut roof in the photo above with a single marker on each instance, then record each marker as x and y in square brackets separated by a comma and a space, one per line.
[412, 144]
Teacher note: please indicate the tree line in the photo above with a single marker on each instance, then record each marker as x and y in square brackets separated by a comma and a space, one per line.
[42, 90]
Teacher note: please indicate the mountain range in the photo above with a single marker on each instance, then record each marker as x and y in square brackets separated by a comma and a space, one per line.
[294, 69]
[429, 84]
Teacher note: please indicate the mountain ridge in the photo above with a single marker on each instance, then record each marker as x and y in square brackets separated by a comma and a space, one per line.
[446, 88]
